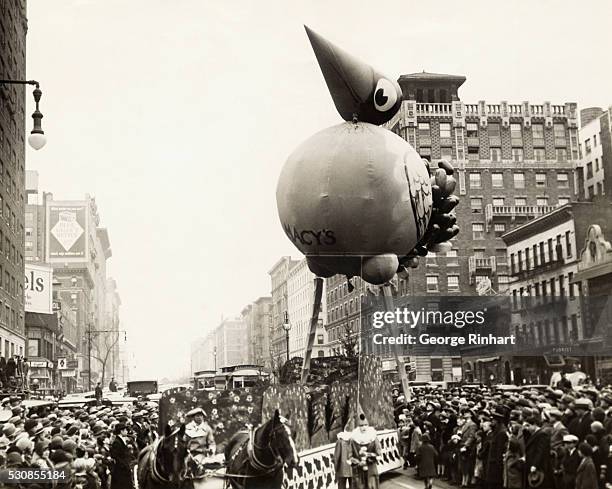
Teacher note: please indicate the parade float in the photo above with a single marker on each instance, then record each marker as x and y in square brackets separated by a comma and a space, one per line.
[358, 201]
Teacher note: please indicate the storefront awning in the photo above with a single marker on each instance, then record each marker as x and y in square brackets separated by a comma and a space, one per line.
[487, 359]
[37, 320]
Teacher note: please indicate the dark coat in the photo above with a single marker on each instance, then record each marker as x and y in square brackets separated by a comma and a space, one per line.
[494, 465]
[426, 460]
[121, 475]
[586, 478]
[581, 427]
[570, 466]
[513, 471]
[537, 454]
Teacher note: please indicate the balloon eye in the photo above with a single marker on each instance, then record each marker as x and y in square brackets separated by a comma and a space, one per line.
[385, 95]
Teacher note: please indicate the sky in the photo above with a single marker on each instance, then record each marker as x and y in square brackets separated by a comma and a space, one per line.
[178, 115]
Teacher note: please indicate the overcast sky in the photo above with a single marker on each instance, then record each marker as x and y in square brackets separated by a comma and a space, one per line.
[178, 115]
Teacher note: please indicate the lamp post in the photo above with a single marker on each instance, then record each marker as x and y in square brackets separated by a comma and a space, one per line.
[37, 138]
[287, 328]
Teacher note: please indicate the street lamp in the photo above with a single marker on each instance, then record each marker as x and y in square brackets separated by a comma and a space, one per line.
[37, 138]
[287, 328]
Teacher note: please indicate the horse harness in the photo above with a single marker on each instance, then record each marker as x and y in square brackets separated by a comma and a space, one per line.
[252, 459]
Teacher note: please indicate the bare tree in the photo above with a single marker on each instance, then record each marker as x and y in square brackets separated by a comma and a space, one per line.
[102, 354]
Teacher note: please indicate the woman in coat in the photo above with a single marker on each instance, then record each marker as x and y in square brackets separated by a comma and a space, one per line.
[426, 461]
[586, 477]
[343, 457]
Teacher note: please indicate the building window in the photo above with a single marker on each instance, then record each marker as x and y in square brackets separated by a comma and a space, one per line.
[474, 180]
[568, 244]
[589, 170]
[476, 205]
[594, 140]
[431, 259]
[319, 339]
[539, 154]
[591, 191]
[445, 130]
[432, 283]
[497, 180]
[29, 246]
[596, 164]
[561, 154]
[559, 132]
[562, 180]
[540, 179]
[477, 230]
[564, 200]
[587, 146]
[516, 133]
[473, 154]
[499, 229]
[425, 152]
[520, 201]
[498, 201]
[446, 153]
[496, 154]
[494, 131]
[437, 370]
[542, 201]
[517, 154]
[453, 283]
[472, 130]
[537, 132]
[452, 257]
[519, 180]
[424, 131]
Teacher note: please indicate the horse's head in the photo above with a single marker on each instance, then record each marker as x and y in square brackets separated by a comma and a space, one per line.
[173, 451]
[281, 440]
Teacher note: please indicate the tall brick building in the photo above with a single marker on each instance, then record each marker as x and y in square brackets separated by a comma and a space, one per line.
[13, 28]
[514, 162]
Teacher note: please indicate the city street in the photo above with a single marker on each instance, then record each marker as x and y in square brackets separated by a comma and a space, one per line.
[404, 479]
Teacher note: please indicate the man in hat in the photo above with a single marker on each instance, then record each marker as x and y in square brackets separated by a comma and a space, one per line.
[537, 454]
[499, 438]
[121, 476]
[581, 424]
[570, 462]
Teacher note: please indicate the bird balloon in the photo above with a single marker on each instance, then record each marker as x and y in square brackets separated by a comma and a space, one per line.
[355, 198]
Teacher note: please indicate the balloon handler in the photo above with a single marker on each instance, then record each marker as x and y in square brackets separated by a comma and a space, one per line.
[201, 445]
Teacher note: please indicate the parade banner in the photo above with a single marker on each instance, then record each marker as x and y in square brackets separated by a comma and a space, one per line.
[67, 231]
[38, 289]
[227, 412]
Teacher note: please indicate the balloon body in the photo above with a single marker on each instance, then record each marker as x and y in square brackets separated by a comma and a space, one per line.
[351, 192]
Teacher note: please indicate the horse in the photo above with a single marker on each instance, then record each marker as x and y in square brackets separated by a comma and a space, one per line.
[162, 464]
[255, 459]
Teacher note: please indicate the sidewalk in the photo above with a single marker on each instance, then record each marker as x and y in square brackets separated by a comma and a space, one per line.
[405, 479]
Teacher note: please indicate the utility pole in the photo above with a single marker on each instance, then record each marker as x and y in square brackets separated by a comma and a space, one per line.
[89, 357]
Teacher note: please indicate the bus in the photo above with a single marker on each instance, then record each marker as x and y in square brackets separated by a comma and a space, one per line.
[239, 376]
[142, 388]
[204, 380]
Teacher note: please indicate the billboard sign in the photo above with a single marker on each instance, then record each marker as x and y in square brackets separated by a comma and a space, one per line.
[67, 232]
[38, 286]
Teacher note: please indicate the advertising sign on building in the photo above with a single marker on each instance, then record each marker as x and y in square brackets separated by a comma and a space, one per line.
[38, 289]
[67, 232]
